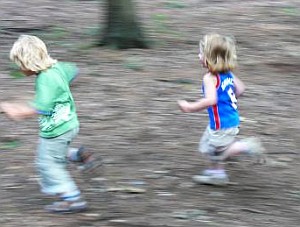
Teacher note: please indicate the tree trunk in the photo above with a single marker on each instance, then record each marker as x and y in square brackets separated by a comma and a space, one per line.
[122, 29]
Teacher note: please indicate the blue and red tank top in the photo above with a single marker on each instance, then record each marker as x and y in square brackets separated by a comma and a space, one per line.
[224, 114]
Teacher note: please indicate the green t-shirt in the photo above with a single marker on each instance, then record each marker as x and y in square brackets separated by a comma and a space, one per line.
[54, 101]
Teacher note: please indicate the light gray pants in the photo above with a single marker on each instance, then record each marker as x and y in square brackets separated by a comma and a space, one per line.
[51, 163]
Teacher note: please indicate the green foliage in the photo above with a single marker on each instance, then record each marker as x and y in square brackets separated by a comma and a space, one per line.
[57, 33]
[10, 145]
[175, 4]
[92, 31]
[134, 63]
[16, 74]
[160, 21]
[159, 17]
[162, 27]
[15, 71]
[291, 11]
[85, 46]
[52, 33]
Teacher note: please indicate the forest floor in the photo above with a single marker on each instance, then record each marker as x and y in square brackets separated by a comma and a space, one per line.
[127, 106]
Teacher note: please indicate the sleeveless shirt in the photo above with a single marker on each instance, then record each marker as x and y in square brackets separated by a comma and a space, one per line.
[224, 114]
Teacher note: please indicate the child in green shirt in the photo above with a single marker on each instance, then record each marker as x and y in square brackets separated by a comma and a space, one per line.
[58, 123]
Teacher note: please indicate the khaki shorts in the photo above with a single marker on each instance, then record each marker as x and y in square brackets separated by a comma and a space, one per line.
[217, 141]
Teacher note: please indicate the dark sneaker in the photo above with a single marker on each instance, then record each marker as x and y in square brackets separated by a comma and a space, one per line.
[89, 161]
[67, 206]
[211, 178]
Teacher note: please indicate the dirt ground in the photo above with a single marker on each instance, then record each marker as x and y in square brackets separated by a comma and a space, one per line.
[127, 107]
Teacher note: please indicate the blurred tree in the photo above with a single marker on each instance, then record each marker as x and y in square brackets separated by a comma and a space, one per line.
[122, 30]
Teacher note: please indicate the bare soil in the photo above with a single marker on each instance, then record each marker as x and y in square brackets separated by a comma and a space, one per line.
[127, 107]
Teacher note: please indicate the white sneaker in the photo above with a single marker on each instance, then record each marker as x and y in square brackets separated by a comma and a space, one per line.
[211, 178]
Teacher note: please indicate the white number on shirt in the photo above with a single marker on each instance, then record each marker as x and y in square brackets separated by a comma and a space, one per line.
[232, 98]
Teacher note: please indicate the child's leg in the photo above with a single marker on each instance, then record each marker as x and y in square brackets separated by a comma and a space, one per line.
[78, 154]
[89, 161]
[213, 144]
[72, 154]
[250, 146]
[51, 163]
[215, 173]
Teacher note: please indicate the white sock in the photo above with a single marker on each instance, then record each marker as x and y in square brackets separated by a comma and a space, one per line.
[73, 154]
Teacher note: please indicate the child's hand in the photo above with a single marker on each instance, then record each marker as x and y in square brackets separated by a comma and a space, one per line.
[184, 106]
[9, 110]
[16, 111]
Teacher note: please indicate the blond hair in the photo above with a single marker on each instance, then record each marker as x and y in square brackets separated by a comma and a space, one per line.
[219, 52]
[30, 53]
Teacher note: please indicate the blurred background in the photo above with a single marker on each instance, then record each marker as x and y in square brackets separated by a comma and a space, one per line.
[136, 59]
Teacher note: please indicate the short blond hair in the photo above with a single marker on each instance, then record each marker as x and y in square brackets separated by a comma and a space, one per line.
[219, 52]
[30, 53]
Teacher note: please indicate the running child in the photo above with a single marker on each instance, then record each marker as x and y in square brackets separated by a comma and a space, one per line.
[221, 89]
[58, 123]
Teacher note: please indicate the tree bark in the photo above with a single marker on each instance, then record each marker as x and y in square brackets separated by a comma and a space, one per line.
[122, 30]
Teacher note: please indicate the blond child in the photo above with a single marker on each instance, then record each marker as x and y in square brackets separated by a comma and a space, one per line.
[58, 123]
[221, 89]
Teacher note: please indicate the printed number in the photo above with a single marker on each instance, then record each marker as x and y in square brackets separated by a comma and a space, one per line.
[232, 98]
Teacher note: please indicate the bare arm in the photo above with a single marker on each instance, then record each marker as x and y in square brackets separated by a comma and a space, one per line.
[239, 87]
[209, 99]
[17, 111]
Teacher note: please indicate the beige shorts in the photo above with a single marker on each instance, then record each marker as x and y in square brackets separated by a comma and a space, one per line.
[215, 141]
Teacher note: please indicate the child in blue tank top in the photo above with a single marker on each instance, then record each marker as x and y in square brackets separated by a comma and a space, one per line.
[221, 89]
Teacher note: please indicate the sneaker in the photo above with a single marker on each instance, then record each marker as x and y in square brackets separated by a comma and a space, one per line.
[89, 161]
[256, 149]
[211, 177]
[67, 206]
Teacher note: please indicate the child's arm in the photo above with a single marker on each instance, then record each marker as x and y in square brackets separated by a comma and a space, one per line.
[17, 111]
[239, 87]
[209, 99]
[71, 72]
